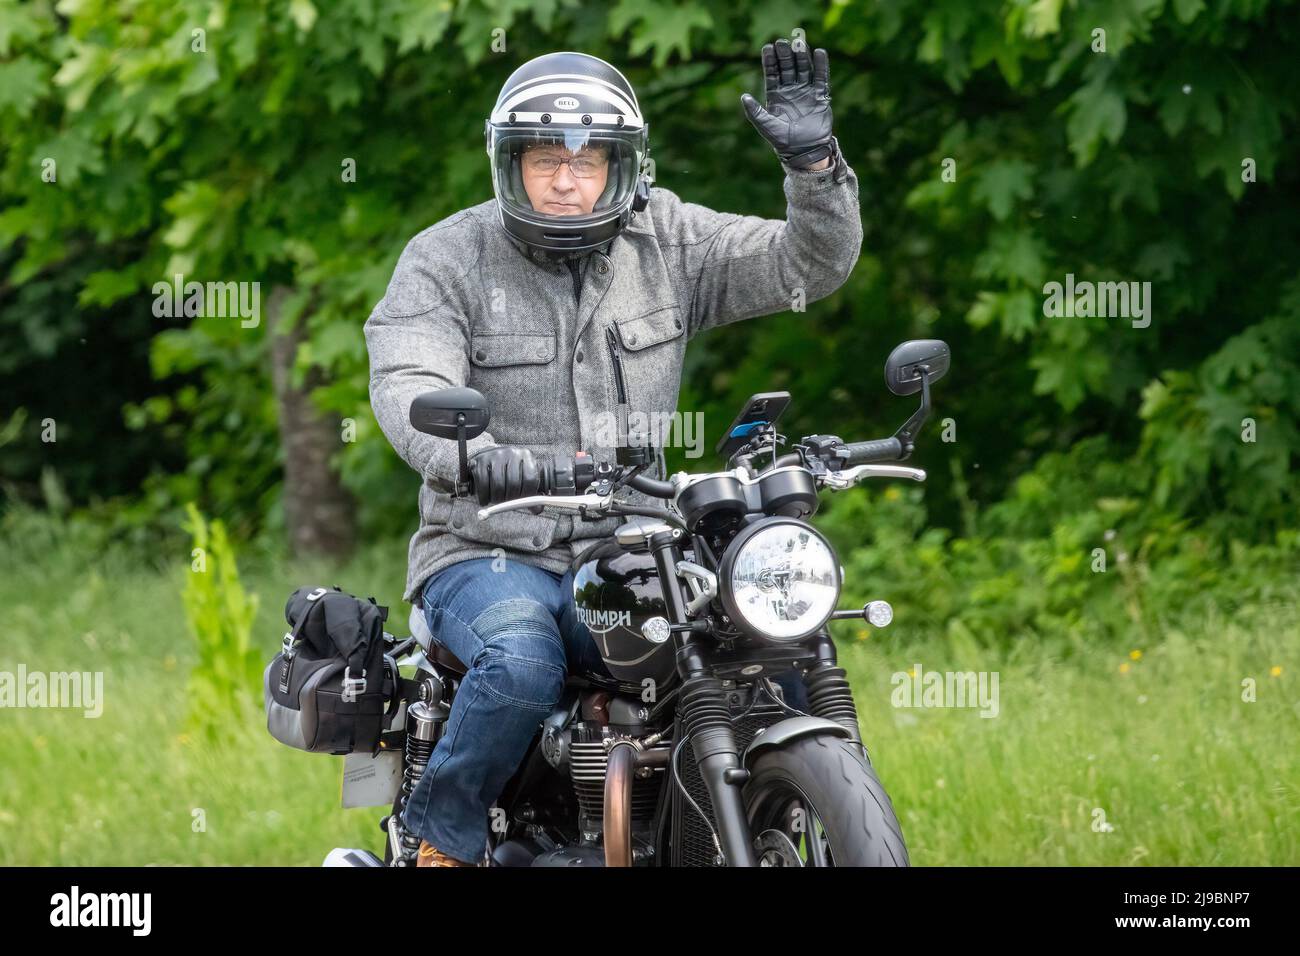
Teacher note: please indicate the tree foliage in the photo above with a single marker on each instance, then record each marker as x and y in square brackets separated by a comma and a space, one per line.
[999, 146]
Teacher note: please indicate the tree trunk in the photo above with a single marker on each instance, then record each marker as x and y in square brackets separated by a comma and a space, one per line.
[319, 512]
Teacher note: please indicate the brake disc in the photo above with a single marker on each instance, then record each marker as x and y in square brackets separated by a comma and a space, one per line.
[774, 848]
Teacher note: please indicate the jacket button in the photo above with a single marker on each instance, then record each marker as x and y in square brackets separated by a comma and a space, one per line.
[455, 523]
[537, 540]
[480, 355]
[677, 323]
[602, 268]
[580, 355]
[631, 340]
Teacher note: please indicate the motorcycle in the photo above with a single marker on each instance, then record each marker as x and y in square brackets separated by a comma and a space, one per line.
[687, 753]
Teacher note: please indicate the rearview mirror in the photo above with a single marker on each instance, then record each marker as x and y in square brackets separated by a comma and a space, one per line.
[441, 413]
[903, 367]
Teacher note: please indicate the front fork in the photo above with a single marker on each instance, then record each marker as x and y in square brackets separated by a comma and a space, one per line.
[829, 694]
[706, 717]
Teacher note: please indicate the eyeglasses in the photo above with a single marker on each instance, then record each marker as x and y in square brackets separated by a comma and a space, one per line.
[582, 167]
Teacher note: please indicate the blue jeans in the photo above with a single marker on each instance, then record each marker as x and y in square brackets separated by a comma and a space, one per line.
[518, 634]
[516, 631]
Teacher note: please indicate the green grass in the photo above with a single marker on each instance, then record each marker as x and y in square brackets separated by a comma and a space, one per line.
[122, 789]
[1185, 771]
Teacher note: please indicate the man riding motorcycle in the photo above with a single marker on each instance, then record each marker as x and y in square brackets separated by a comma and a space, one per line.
[577, 283]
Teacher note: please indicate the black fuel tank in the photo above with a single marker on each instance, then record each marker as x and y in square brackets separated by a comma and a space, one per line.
[615, 592]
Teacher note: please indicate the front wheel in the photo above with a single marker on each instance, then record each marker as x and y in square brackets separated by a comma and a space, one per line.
[816, 801]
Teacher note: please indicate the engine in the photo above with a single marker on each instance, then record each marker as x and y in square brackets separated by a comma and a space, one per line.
[588, 762]
[579, 747]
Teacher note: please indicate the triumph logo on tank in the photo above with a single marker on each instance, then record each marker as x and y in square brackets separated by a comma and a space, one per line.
[601, 622]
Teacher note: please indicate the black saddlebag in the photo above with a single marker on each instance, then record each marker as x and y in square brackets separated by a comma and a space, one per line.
[331, 689]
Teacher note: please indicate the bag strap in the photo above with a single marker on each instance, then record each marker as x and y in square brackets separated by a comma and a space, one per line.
[294, 635]
[357, 643]
[394, 702]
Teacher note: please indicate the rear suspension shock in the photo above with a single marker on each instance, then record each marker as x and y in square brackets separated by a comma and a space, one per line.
[423, 728]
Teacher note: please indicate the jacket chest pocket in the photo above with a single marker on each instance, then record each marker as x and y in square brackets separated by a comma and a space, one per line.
[640, 332]
[509, 349]
[650, 353]
[515, 371]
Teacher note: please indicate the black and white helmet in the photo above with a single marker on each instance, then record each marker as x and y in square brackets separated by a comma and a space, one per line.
[583, 105]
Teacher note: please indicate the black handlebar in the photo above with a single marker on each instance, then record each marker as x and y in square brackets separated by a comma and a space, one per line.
[652, 486]
[866, 452]
[576, 474]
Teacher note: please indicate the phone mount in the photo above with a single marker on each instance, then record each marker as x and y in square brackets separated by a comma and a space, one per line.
[756, 422]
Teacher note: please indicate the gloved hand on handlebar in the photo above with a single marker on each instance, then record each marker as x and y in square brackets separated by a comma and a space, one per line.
[504, 473]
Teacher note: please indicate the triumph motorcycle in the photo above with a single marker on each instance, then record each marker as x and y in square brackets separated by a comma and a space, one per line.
[687, 753]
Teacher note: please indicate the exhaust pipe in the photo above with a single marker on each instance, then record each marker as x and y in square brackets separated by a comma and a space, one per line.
[618, 804]
[624, 761]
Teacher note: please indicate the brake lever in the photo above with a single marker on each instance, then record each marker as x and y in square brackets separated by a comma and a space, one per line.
[847, 477]
[574, 503]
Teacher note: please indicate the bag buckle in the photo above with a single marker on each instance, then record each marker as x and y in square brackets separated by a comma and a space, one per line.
[286, 646]
[352, 685]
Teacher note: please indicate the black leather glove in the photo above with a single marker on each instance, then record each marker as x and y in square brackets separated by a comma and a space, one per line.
[504, 473]
[797, 120]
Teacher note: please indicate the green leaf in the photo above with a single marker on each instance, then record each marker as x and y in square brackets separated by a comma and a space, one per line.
[371, 47]
[423, 24]
[1016, 255]
[303, 13]
[81, 73]
[22, 84]
[21, 22]
[1098, 112]
[107, 286]
[999, 184]
[1043, 18]
[74, 152]
[773, 19]
[192, 208]
[658, 26]
[1187, 10]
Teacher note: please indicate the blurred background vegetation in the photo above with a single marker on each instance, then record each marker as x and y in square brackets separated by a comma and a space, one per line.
[210, 139]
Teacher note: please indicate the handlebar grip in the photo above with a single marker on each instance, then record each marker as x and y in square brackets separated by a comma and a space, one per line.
[567, 477]
[866, 452]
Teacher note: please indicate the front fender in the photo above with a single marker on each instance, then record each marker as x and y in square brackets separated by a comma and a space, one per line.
[792, 728]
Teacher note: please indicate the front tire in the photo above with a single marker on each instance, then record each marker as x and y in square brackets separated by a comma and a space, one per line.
[822, 793]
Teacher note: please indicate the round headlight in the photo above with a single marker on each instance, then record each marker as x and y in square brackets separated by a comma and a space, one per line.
[780, 580]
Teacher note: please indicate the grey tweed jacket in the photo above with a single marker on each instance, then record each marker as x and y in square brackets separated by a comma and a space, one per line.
[467, 306]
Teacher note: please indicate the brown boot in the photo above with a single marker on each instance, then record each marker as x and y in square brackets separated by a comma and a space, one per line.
[431, 856]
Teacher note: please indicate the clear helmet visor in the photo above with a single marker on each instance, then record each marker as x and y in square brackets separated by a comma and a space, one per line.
[561, 174]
